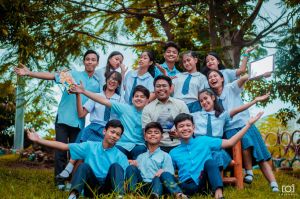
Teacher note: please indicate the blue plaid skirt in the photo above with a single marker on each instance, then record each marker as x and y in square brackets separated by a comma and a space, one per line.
[254, 140]
[93, 132]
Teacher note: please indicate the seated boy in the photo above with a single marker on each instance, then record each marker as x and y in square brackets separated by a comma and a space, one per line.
[193, 157]
[103, 167]
[153, 168]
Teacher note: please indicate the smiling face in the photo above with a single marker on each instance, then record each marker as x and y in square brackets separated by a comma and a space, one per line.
[153, 136]
[162, 90]
[207, 101]
[139, 100]
[112, 135]
[144, 61]
[90, 62]
[171, 55]
[115, 61]
[212, 62]
[185, 129]
[215, 80]
[112, 83]
[189, 63]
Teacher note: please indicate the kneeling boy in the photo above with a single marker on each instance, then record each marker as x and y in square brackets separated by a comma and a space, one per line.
[153, 168]
[103, 167]
[193, 157]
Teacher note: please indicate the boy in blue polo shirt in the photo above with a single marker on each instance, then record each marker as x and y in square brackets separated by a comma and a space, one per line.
[103, 167]
[153, 168]
[193, 157]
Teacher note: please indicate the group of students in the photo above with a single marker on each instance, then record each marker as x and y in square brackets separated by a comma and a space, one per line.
[151, 121]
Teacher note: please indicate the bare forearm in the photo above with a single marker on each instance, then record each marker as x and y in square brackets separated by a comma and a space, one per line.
[243, 66]
[239, 109]
[234, 139]
[54, 144]
[42, 75]
[81, 112]
[97, 98]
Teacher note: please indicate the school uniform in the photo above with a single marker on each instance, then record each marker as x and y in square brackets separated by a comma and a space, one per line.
[195, 164]
[68, 124]
[207, 124]
[148, 165]
[132, 79]
[229, 75]
[99, 116]
[187, 86]
[164, 113]
[103, 169]
[132, 142]
[170, 73]
[231, 98]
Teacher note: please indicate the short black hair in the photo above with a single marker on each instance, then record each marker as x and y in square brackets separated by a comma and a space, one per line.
[155, 125]
[168, 79]
[171, 44]
[142, 89]
[90, 52]
[114, 124]
[182, 117]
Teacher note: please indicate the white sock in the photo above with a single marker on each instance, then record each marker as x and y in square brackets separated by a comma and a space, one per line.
[274, 186]
[66, 172]
[72, 196]
[249, 177]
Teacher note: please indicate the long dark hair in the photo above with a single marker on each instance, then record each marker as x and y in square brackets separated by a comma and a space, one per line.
[218, 109]
[118, 77]
[205, 69]
[151, 68]
[108, 66]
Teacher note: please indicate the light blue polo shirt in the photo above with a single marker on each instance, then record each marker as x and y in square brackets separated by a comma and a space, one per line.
[98, 158]
[150, 163]
[67, 109]
[231, 98]
[229, 75]
[131, 119]
[197, 83]
[97, 110]
[170, 73]
[144, 80]
[217, 123]
[189, 158]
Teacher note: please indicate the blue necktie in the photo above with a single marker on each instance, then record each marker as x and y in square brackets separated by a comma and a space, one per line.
[186, 85]
[208, 127]
[131, 93]
[220, 103]
[106, 113]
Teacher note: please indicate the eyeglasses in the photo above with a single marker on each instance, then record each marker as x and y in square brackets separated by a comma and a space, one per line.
[112, 79]
[161, 85]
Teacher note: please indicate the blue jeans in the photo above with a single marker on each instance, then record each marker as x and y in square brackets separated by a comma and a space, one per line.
[134, 153]
[166, 183]
[84, 178]
[211, 173]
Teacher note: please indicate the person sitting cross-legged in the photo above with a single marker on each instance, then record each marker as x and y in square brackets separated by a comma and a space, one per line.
[103, 167]
[153, 168]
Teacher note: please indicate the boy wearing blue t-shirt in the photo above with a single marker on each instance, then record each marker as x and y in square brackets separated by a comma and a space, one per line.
[103, 167]
[193, 157]
[153, 168]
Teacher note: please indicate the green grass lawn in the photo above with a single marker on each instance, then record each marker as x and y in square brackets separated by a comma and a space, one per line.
[17, 181]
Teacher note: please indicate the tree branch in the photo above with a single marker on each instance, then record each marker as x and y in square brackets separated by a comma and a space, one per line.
[251, 18]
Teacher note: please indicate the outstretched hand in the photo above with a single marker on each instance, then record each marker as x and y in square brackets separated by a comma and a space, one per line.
[22, 70]
[77, 89]
[32, 135]
[252, 120]
[248, 50]
[263, 97]
[161, 69]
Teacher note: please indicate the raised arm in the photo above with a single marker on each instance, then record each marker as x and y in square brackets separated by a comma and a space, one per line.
[239, 109]
[234, 139]
[82, 112]
[22, 70]
[242, 80]
[243, 66]
[79, 89]
[33, 136]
